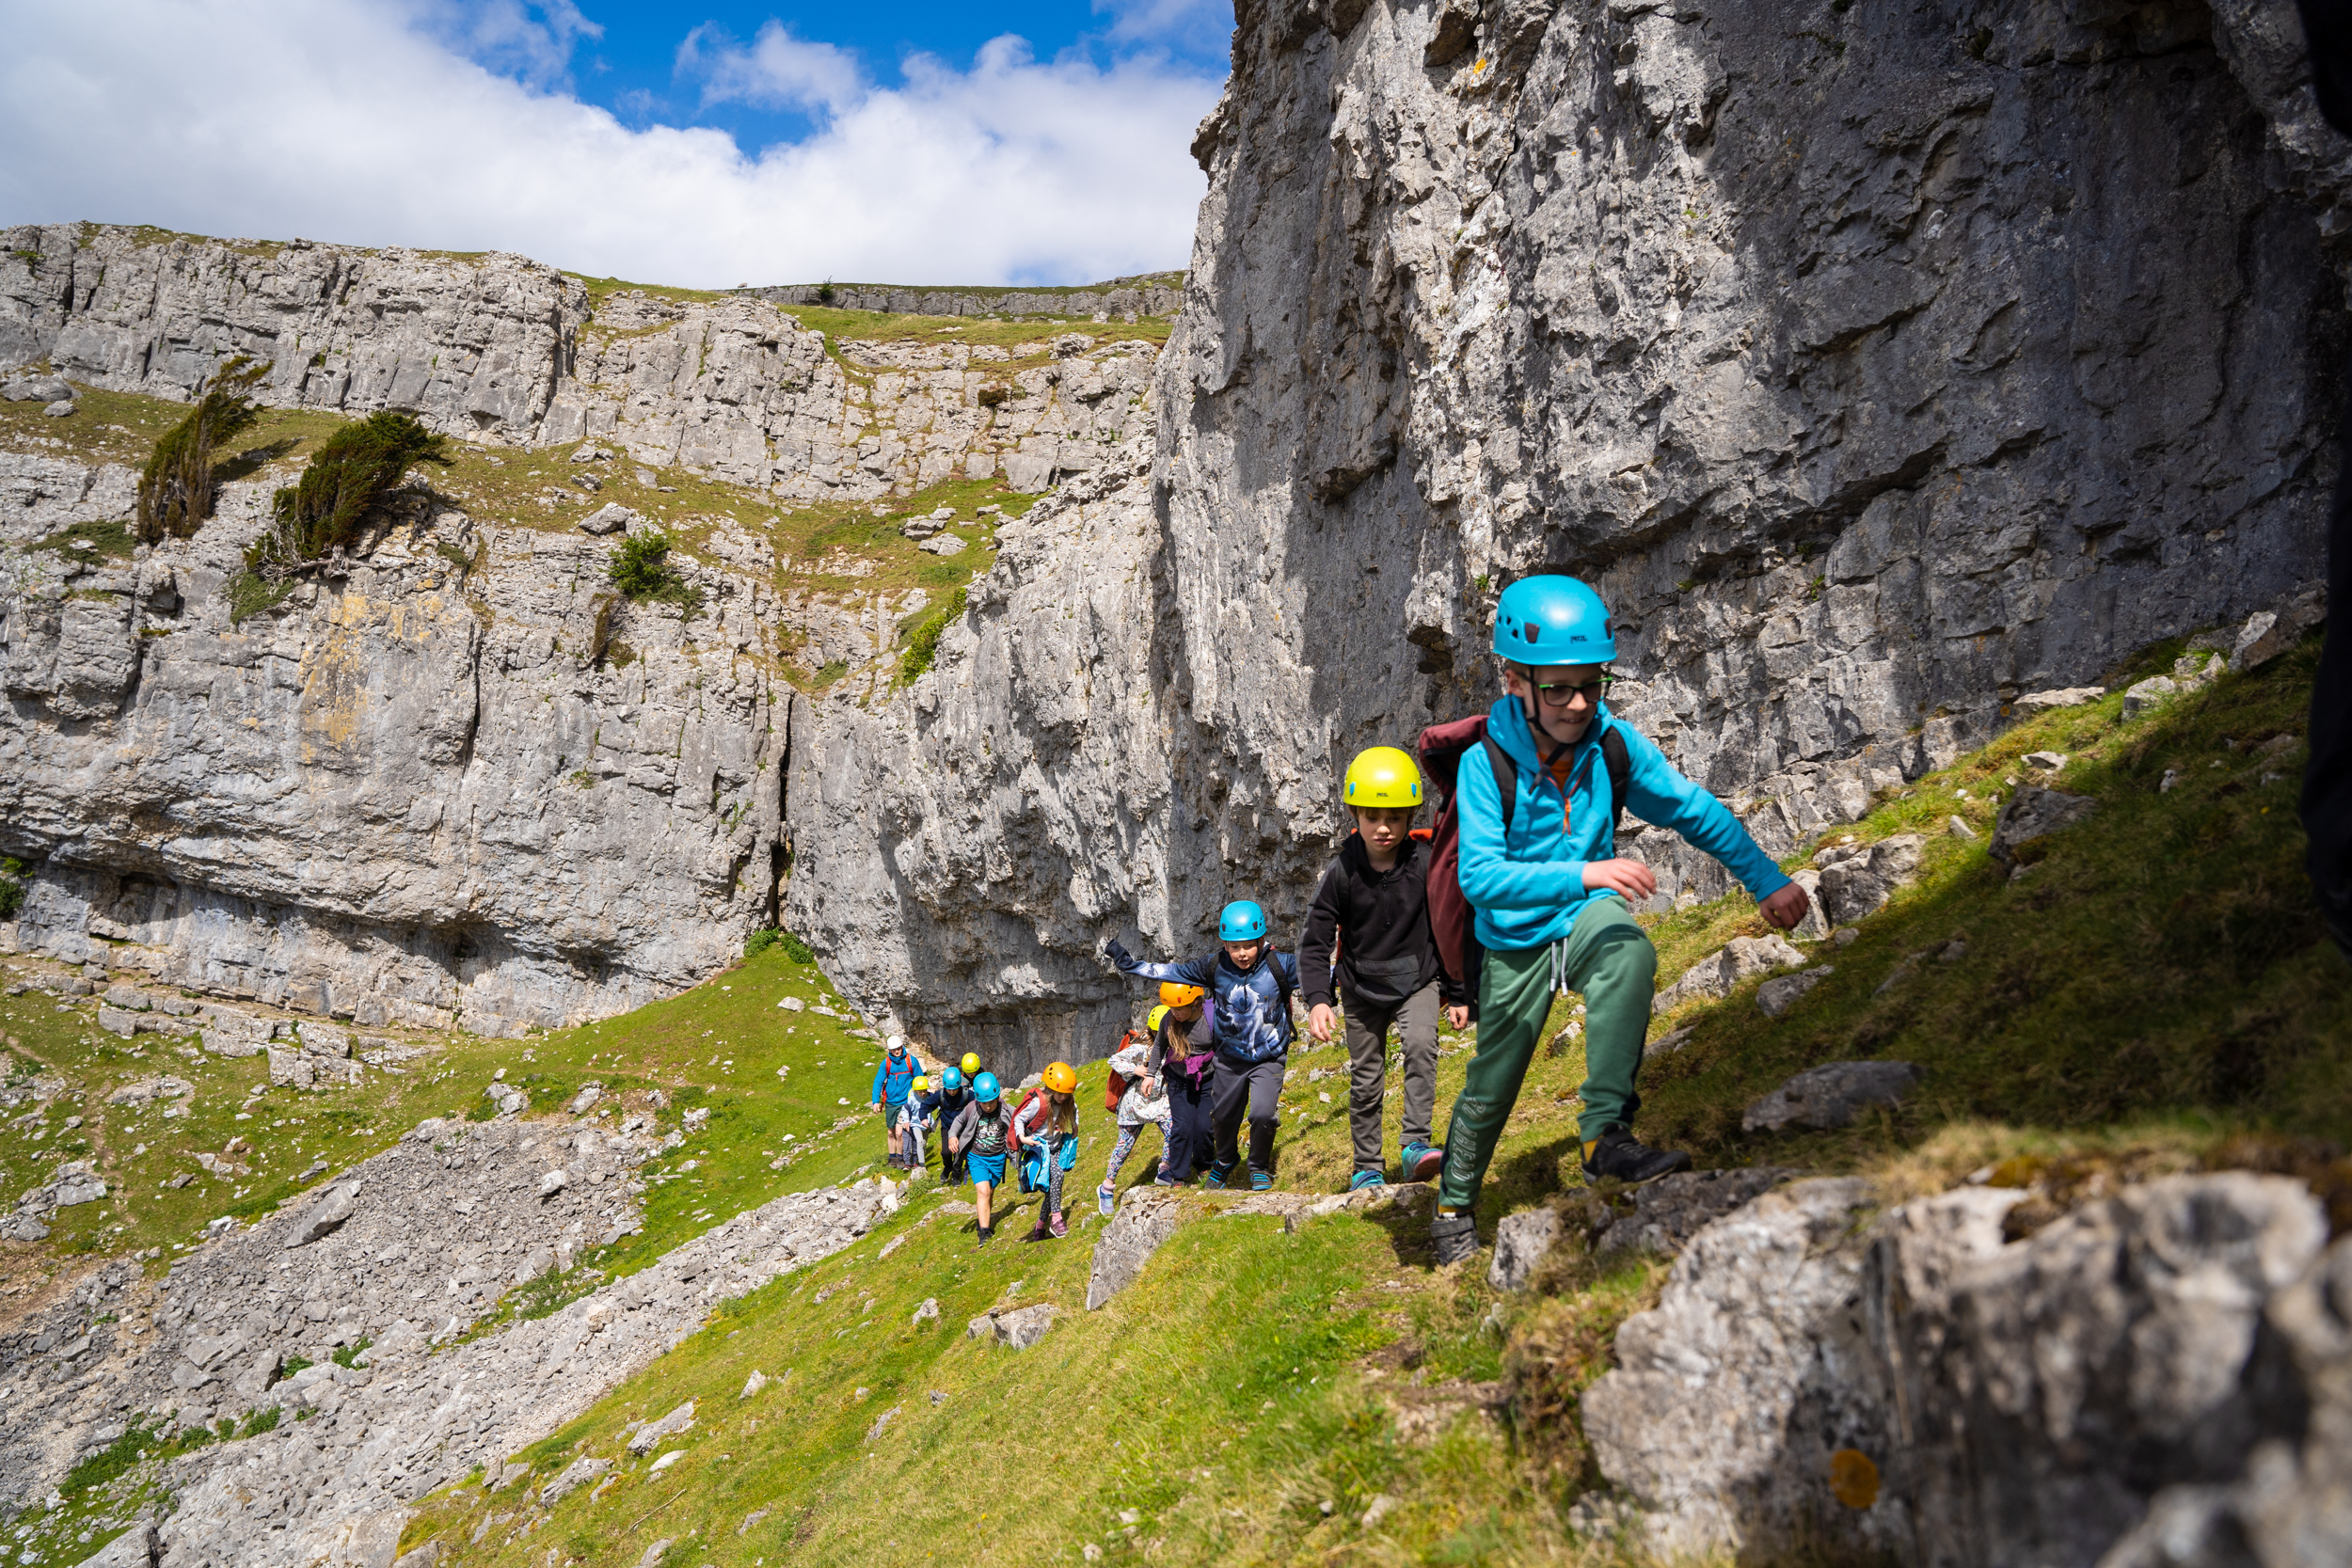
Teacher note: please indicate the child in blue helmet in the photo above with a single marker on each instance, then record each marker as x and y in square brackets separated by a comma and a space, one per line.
[1552, 899]
[1251, 985]
[947, 1103]
[980, 1138]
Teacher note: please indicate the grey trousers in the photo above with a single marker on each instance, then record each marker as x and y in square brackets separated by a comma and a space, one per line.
[1415, 1020]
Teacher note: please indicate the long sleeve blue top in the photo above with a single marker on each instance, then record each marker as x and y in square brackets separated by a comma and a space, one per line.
[1528, 884]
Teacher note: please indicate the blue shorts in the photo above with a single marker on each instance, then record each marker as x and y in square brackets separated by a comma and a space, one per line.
[988, 1169]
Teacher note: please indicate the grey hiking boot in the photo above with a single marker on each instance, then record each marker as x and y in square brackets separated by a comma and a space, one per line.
[1456, 1237]
[1617, 1154]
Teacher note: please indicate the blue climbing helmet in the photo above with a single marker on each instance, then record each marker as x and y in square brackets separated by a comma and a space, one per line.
[1242, 920]
[951, 1080]
[984, 1088]
[1552, 620]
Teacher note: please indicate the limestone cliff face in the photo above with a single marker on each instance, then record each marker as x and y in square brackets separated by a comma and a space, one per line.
[399, 798]
[409, 794]
[1878, 365]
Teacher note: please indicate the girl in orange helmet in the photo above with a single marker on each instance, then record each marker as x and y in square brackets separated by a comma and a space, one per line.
[1046, 1130]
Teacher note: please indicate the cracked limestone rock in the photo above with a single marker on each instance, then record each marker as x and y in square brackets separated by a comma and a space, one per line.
[1723, 971]
[1145, 1218]
[1996, 1397]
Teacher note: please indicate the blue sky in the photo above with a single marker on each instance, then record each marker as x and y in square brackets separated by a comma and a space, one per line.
[705, 144]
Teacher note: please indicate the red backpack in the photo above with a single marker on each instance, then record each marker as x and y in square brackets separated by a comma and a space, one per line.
[1452, 922]
[1114, 1086]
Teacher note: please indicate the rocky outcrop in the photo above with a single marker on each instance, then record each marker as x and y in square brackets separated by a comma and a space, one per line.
[2159, 1375]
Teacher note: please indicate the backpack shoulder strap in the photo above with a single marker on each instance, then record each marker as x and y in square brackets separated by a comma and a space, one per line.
[1620, 766]
[1506, 776]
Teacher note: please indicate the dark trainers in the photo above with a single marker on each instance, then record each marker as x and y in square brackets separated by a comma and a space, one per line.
[1456, 1237]
[1259, 1182]
[1618, 1154]
[1216, 1176]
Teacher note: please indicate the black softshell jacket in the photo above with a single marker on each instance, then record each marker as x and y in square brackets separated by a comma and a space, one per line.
[1381, 922]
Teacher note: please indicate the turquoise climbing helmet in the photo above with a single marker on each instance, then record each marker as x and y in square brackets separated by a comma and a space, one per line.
[984, 1088]
[1242, 920]
[951, 1080]
[1552, 620]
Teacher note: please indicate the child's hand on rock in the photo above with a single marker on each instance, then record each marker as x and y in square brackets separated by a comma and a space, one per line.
[1630, 878]
[1785, 907]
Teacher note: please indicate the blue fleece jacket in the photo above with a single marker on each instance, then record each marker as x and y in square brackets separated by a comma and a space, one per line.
[893, 1077]
[1529, 887]
[1251, 1008]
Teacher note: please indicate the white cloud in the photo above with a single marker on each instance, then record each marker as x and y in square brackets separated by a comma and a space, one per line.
[339, 120]
[777, 72]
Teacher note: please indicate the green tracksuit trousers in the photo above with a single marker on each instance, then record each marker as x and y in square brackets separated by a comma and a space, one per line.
[1606, 958]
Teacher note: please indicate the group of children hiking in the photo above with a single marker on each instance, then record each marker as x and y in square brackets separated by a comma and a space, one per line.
[979, 1135]
[1514, 894]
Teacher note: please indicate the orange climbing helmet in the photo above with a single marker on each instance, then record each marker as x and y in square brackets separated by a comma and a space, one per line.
[1061, 1078]
[1177, 995]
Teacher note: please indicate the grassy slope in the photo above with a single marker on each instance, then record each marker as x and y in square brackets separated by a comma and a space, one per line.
[2154, 994]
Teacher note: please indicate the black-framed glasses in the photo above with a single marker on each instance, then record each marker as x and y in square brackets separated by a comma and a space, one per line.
[1560, 694]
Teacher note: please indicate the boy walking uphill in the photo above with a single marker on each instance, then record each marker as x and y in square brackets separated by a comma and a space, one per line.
[1374, 902]
[1539, 866]
[1250, 985]
[983, 1133]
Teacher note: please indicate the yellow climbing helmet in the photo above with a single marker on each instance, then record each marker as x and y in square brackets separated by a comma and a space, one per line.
[1177, 995]
[1158, 1013]
[1061, 1078]
[971, 1064]
[922, 1084]
[1382, 776]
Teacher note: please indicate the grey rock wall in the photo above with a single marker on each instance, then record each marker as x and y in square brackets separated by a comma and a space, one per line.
[1881, 365]
[406, 795]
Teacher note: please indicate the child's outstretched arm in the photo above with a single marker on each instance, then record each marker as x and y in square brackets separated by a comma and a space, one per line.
[1658, 794]
[1197, 972]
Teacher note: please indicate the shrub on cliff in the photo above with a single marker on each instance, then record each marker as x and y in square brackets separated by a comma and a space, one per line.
[177, 489]
[640, 570]
[358, 468]
[11, 887]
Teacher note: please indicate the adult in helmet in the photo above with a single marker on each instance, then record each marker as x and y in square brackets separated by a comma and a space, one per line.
[1552, 897]
[981, 1136]
[1252, 986]
[1373, 906]
[894, 1080]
